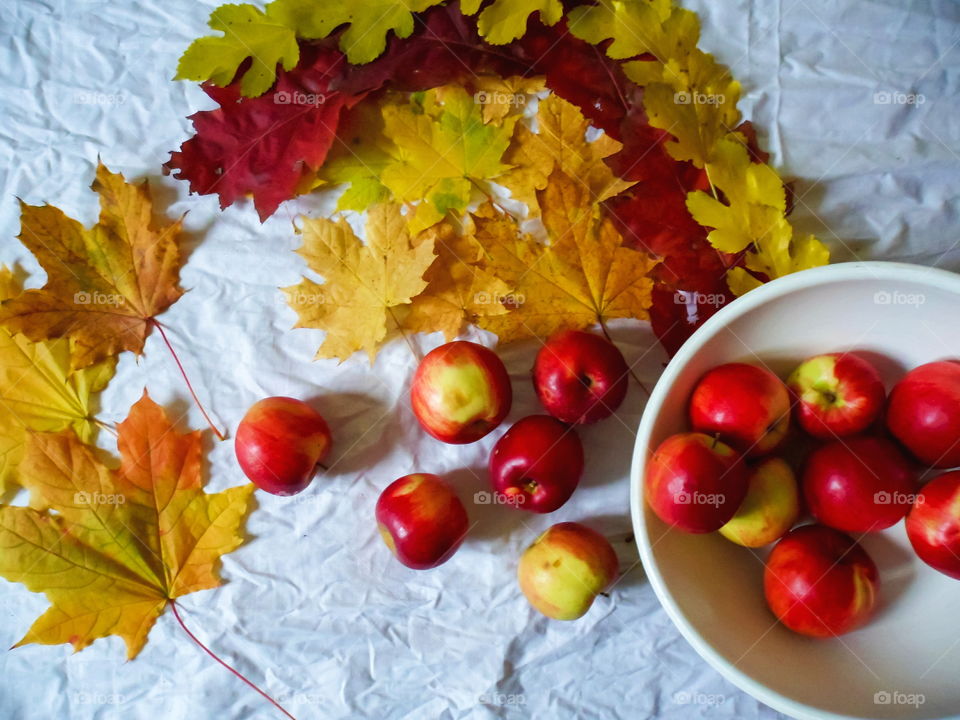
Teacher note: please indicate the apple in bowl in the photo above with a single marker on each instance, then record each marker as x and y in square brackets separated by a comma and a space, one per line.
[460, 392]
[819, 582]
[923, 413]
[694, 482]
[770, 508]
[838, 394]
[747, 406]
[933, 525]
[859, 484]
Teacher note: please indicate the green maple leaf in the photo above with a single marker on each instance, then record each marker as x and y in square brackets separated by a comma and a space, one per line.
[369, 22]
[506, 20]
[247, 33]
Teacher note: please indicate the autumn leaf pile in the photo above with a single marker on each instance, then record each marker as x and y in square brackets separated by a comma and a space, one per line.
[421, 106]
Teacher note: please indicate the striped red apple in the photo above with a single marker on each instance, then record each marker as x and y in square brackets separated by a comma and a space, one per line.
[421, 520]
[747, 406]
[819, 582]
[279, 443]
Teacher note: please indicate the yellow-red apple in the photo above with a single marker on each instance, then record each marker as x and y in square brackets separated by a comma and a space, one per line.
[460, 392]
[565, 568]
[770, 508]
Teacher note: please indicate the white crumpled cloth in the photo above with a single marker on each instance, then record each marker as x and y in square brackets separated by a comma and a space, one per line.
[314, 608]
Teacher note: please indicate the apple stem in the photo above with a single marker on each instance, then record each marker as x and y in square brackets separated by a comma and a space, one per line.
[166, 340]
[606, 334]
[323, 467]
[208, 651]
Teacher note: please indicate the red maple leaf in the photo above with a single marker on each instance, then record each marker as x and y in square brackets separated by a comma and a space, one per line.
[263, 146]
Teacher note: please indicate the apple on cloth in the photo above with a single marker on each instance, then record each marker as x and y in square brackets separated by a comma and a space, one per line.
[565, 568]
[460, 392]
[537, 463]
[280, 441]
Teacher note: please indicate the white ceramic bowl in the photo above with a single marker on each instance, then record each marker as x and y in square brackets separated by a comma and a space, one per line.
[906, 662]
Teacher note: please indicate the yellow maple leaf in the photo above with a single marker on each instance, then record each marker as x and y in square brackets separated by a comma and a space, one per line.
[752, 217]
[104, 285]
[441, 150]
[111, 547]
[39, 392]
[506, 20]
[755, 199]
[560, 143]
[777, 254]
[363, 283]
[637, 27]
[583, 276]
[459, 290]
[696, 104]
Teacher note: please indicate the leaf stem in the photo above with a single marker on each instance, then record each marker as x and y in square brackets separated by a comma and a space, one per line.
[208, 651]
[106, 426]
[163, 334]
[606, 334]
[416, 353]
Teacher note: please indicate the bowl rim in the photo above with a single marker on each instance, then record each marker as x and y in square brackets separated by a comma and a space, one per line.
[829, 274]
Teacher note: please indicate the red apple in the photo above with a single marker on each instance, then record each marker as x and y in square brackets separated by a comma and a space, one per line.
[838, 394]
[537, 463]
[771, 507]
[565, 568]
[695, 482]
[279, 443]
[820, 582]
[460, 392]
[859, 484]
[933, 524]
[746, 405]
[421, 520]
[924, 413]
[580, 377]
